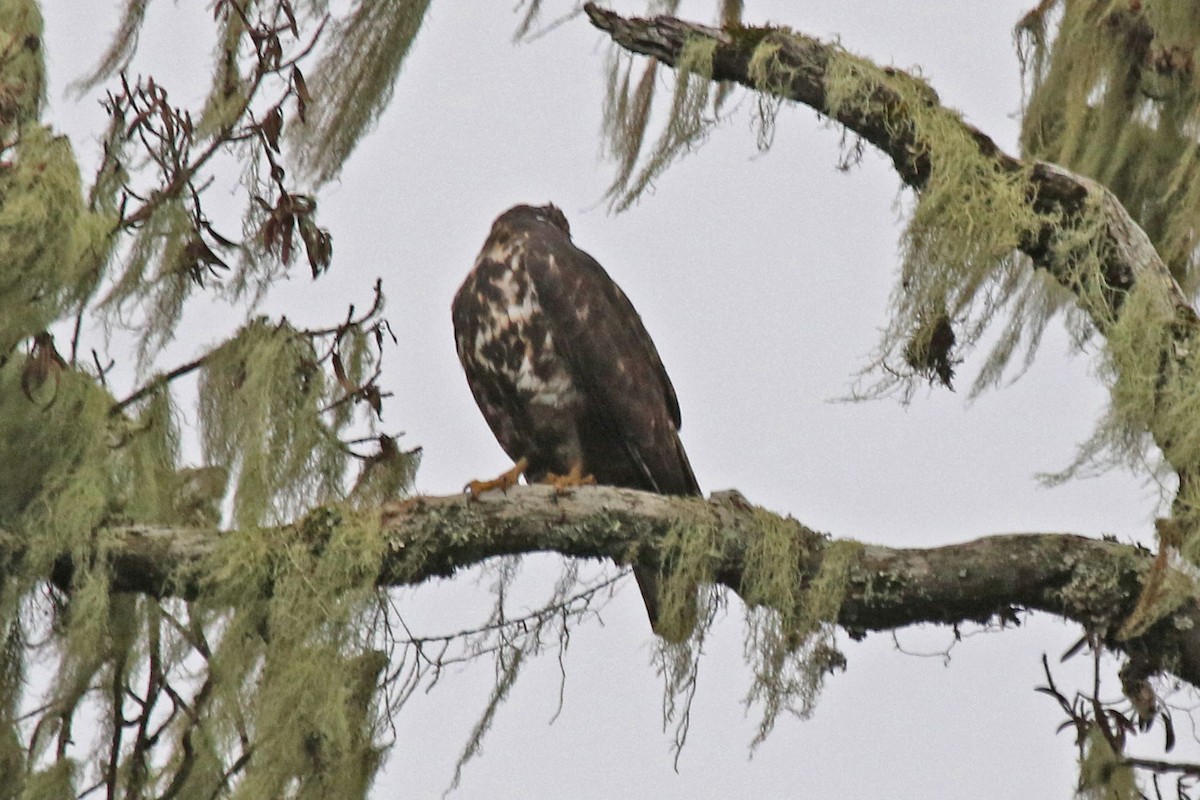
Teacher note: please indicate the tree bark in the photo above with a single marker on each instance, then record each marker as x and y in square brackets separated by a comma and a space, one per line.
[1095, 583]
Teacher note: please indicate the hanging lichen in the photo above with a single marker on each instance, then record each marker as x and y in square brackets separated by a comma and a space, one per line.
[960, 260]
[690, 552]
[228, 693]
[56, 782]
[148, 485]
[789, 623]
[626, 114]
[626, 117]
[153, 280]
[262, 396]
[49, 242]
[281, 611]
[790, 620]
[230, 89]
[1103, 774]
[771, 75]
[120, 49]
[687, 605]
[58, 489]
[363, 56]
[1114, 94]
[46, 235]
[22, 66]
[310, 735]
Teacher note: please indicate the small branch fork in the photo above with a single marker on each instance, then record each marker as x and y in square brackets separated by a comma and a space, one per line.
[141, 715]
[168, 139]
[155, 154]
[1088, 713]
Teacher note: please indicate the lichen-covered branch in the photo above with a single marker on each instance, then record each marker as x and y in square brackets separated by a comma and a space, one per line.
[976, 205]
[799, 70]
[1095, 583]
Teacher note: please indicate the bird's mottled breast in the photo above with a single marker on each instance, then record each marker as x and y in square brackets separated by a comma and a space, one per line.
[506, 334]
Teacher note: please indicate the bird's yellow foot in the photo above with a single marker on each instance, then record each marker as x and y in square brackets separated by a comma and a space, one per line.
[564, 483]
[503, 482]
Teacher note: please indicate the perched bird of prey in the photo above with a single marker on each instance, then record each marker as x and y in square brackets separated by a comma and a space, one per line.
[563, 369]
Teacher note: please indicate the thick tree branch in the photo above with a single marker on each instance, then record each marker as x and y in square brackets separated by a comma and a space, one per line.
[1095, 583]
[799, 72]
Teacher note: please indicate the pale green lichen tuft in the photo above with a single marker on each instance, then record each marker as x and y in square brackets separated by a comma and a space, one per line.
[789, 625]
[790, 620]
[353, 82]
[688, 603]
[1104, 774]
[120, 50]
[154, 280]
[22, 65]
[147, 480]
[262, 398]
[1114, 94]
[626, 115]
[691, 552]
[50, 244]
[772, 77]
[48, 240]
[56, 782]
[61, 486]
[959, 246]
[228, 95]
[508, 669]
[309, 730]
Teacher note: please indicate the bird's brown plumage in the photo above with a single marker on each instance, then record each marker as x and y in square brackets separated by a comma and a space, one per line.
[562, 366]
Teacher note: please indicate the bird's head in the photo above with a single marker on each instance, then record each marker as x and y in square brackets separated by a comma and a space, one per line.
[535, 215]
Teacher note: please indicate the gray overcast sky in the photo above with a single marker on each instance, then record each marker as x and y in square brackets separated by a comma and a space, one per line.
[763, 279]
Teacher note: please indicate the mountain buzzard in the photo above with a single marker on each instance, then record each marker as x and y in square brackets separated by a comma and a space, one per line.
[563, 369]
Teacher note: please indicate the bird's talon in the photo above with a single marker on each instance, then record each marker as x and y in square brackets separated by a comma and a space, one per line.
[563, 484]
[503, 482]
